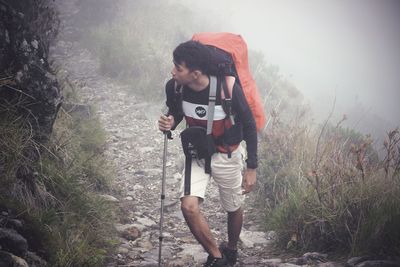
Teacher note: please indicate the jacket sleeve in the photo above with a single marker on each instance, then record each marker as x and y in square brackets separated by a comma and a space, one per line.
[173, 102]
[245, 116]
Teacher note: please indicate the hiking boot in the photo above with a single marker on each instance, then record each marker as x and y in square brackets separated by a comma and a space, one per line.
[231, 255]
[215, 262]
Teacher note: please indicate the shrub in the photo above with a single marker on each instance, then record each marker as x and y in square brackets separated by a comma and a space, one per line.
[66, 220]
[328, 190]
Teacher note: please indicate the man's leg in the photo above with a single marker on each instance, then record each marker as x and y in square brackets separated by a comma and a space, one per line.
[235, 222]
[198, 225]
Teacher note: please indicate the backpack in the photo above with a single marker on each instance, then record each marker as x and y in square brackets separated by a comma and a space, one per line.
[229, 58]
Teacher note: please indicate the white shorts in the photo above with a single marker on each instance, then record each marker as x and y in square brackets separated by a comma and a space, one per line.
[226, 172]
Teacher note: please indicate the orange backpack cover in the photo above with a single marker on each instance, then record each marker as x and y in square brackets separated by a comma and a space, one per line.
[236, 46]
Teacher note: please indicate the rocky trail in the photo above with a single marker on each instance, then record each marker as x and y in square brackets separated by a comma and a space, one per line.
[135, 146]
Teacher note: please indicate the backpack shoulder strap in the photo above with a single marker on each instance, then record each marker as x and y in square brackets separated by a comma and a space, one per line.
[211, 103]
[226, 96]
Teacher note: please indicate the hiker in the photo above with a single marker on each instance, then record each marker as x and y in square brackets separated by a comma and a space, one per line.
[190, 73]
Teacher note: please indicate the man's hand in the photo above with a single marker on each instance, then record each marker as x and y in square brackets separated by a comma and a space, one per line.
[165, 123]
[249, 180]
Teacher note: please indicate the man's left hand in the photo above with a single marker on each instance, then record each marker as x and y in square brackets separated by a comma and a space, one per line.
[249, 180]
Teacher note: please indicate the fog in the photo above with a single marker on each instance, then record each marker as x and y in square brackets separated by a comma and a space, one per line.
[348, 50]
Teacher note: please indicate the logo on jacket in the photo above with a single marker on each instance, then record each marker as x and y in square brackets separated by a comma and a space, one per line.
[200, 111]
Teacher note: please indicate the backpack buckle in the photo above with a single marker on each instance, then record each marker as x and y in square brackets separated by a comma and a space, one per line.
[228, 109]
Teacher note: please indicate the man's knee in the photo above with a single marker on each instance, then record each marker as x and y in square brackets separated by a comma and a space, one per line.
[190, 205]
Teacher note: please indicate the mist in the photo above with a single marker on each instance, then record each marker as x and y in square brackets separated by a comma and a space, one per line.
[339, 54]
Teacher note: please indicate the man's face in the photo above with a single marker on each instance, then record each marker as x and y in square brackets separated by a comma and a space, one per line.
[182, 74]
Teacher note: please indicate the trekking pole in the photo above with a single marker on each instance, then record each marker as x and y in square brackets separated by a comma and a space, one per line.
[166, 136]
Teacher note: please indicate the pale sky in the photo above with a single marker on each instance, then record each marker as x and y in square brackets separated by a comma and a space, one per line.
[347, 48]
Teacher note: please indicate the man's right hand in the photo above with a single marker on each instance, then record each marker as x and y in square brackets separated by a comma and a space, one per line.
[165, 123]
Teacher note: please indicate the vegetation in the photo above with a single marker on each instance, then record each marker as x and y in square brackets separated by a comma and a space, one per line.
[68, 221]
[324, 188]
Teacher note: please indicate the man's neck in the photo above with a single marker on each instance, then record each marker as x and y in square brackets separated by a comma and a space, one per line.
[200, 84]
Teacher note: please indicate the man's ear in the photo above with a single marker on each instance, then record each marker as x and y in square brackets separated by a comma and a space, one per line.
[196, 74]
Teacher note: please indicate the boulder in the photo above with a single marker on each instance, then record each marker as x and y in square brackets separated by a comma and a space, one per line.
[13, 242]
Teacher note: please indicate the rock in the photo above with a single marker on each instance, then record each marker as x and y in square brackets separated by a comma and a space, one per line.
[177, 176]
[271, 262]
[379, 263]
[77, 110]
[145, 244]
[288, 265]
[13, 242]
[146, 222]
[195, 250]
[149, 263]
[10, 260]
[35, 44]
[153, 172]
[109, 198]
[356, 260]
[272, 235]
[122, 250]
[297, 261]
[143, 150]
[131, 233]
[137, 187]
[249, 261]
[14, 224]
[315, 256]
[184, 261]
[5, 259]
[249, 238]
[330, 264]
[34, 260]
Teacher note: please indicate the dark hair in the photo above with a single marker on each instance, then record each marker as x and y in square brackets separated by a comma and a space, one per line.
[195, 55]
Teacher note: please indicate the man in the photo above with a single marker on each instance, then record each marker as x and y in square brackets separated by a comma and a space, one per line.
[191, 63]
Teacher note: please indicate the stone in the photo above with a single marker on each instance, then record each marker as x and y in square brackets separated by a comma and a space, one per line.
[34, 260]
[8, 259]
[288, 265]
[184, 261]
[356, 260]
[35, 44]
[138, 187]
[146, 222]
[77, 110]
[330, 264]
[131, 233]
[14, 224]
[131, 193]
[315, 256]
[297, 261]
[122, 250]
[13, 242]
[271, 262]
[195, 250]
[145, 244]
[379, 263]
[109, 198]
[249, 238]
[143, 150]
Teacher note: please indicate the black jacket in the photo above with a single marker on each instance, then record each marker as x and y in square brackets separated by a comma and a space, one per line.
[244, 128]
